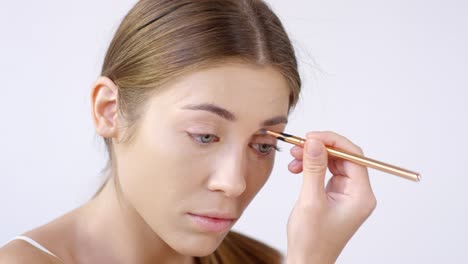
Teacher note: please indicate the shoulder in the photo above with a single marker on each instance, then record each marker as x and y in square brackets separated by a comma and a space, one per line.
[19, 252]
[54, 236]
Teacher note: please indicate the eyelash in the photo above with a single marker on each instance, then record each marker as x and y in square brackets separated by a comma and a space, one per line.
[195, 136]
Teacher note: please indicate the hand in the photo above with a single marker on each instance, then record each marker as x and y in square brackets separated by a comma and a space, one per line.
[325, 218]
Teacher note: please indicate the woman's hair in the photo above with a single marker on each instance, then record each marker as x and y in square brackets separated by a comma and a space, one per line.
[159, 40]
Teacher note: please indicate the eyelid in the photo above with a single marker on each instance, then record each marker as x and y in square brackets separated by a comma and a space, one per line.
[266, 139]
[201, 129]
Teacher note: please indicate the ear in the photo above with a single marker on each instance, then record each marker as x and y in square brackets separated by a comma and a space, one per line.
[104, 95]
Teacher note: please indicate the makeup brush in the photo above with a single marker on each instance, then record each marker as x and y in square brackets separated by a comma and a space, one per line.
[358, 159]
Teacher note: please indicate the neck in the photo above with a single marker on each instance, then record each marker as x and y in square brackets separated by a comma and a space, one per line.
[114, 232]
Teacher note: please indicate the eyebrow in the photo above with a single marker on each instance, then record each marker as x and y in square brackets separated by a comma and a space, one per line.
[226, 114]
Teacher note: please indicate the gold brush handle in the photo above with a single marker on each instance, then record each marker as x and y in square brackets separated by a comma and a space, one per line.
[372, 163]
[358, 159]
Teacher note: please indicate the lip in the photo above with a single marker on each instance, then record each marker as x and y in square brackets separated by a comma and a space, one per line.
[213, 222]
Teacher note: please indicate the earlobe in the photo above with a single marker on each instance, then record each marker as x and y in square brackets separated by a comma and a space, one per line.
[104, 106]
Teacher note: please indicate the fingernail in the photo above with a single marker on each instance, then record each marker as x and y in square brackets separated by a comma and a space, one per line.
[314, 147]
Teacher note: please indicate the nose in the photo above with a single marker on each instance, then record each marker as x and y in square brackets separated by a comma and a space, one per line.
[229, 175]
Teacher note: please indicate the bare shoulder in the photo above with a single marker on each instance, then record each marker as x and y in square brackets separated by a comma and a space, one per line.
[53, 236]
[19, 252]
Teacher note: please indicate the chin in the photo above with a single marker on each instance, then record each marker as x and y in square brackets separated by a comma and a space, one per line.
[198, 245]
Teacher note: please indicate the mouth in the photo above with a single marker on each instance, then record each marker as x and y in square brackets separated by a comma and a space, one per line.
[213, 222]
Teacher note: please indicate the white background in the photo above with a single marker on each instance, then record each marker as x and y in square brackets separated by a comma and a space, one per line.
[389, 75]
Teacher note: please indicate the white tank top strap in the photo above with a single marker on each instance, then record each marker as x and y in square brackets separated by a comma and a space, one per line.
[35, 244]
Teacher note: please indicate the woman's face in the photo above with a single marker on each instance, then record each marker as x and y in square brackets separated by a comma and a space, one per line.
[197, 159]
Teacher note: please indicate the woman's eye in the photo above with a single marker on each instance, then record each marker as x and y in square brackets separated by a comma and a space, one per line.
[205, 138]
[264, 148]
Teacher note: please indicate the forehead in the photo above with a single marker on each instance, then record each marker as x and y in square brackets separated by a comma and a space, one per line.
[238, 87]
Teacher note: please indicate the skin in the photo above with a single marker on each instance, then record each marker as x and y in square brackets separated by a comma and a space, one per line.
[187, 157]
[325, 217]
[166, 172]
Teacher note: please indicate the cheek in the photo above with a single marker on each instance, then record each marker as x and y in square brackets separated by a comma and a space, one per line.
[155, 175]
[258, 173]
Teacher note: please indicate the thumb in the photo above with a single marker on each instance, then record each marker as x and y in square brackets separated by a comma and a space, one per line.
[315, 163]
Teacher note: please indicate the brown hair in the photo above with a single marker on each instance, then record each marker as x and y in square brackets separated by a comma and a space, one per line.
[159, 40]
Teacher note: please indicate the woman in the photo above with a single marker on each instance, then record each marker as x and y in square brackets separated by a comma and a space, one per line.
[185, 89]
